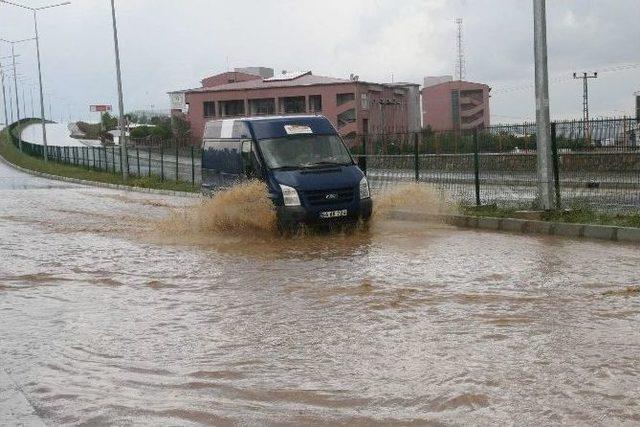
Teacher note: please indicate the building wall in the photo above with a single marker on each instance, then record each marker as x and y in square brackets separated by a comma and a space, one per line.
[328, 93]
[438, 110]
[382, 108]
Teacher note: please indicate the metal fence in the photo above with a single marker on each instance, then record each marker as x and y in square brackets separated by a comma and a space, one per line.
[164, 161]
[597, 164]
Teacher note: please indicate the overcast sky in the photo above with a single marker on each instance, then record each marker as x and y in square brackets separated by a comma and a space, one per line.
[168, 45]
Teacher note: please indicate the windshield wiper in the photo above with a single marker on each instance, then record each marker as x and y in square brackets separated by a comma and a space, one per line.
[324, 163]
[286, 167]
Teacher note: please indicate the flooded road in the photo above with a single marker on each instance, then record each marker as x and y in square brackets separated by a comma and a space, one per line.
[102, 322]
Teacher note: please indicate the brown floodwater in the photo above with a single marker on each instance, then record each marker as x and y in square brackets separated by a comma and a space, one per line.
[113, 310]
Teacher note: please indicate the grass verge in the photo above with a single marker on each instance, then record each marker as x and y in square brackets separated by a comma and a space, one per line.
[579, 215]
[13, 155]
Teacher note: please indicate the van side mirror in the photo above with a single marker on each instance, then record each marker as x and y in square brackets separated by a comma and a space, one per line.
[362, 164]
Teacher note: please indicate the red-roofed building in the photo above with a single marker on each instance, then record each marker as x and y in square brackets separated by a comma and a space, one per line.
[353, 106]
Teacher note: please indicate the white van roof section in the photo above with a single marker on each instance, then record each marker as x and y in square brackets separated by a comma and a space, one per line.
[226, 129]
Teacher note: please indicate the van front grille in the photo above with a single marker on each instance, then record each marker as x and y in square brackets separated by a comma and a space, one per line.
[329, 197]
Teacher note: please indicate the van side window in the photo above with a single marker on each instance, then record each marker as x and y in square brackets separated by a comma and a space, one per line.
[223, 155]
[252, 167]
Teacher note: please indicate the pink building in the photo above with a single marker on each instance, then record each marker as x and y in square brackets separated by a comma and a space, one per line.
[454, 105]
[354, 107]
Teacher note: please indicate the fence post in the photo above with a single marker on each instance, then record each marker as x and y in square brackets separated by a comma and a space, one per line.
[161, 163]
[416, 157]
[193, 169]
[177, 162]
[362, 160]
[556, 168]
[149, 164]
[476, 165]
[113, 158]
[138, 160]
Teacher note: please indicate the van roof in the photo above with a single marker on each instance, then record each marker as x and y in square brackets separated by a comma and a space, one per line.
[264, 127]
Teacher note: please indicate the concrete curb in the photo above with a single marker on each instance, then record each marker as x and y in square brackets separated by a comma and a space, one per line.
[100, 184]
[525, 226]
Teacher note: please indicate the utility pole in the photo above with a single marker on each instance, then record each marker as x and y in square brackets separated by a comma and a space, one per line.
[4, 98]
[585, 103]
[543, 131]
[10, 98]
[15, 82]
[33, 114]
[123, 142]
[35, 11]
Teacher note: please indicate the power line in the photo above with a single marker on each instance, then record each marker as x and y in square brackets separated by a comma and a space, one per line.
[563, 78]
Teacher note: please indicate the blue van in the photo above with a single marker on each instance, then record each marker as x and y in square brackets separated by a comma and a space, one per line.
[311, 177]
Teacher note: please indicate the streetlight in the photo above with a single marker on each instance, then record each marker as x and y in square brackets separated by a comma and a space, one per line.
[15, 77]
[124, 159]
[4, 93]
[13, 58]
[35, 25]
[4, 98]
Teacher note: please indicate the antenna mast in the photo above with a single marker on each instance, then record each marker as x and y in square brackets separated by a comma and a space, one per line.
[460, 65]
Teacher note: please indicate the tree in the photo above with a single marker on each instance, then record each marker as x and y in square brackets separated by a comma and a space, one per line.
[181, 127]
[109, 122]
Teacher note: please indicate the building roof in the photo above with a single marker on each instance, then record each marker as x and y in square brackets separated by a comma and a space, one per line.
[299, 79]
[458, 84]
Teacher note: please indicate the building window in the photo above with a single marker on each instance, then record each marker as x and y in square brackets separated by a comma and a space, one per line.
[346, 117]
[315, 103]
[209, 108]
[293, 104]
[343, 98]
[232, 108]
[262, 107]
[364, 101]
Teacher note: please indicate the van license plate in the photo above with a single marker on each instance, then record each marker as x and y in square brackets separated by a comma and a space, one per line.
[333, 214]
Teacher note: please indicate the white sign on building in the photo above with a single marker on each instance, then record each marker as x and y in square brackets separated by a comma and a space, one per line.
[178, 101]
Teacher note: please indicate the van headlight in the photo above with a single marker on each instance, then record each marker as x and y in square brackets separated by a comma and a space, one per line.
[364, 189]
[290, 196]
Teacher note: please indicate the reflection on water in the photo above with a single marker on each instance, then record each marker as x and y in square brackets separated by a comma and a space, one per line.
[106, 322]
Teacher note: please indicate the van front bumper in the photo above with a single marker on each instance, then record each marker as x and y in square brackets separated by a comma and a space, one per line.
[293, 215]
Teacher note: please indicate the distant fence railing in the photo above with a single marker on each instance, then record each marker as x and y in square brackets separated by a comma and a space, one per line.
[166, 161]
[596, 166]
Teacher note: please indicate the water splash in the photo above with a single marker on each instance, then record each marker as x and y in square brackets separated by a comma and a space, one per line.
[414, 198]
[243, 208]
[245, 211]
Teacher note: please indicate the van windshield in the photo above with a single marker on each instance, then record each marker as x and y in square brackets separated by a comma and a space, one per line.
[304, 151]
